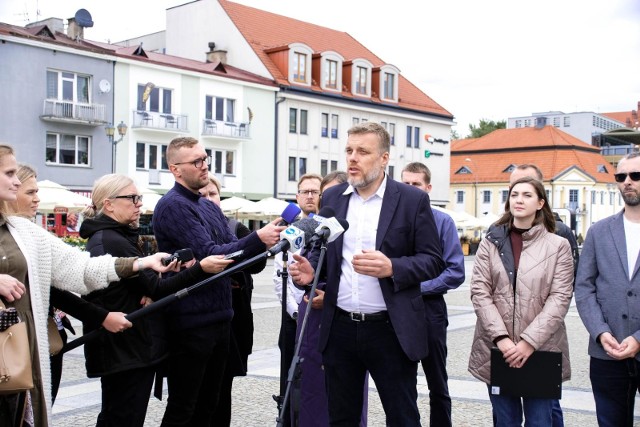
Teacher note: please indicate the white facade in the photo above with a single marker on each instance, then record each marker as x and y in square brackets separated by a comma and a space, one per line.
[583, 125]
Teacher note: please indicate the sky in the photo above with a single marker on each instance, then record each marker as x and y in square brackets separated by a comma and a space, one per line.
[490, 59]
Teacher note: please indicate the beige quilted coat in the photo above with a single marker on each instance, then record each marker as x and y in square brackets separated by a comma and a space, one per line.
[542, 296]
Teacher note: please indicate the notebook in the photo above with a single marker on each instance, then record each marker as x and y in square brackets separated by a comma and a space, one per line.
[540, 377]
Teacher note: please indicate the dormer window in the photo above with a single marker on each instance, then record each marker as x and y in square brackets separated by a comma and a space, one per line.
[331, 70]
[299, 67]
[361, 80]
[300, 64]
[361, 72]
[386, 77]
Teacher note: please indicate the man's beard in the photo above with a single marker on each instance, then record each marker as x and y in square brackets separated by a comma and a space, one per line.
[369, 178]
[631, 199]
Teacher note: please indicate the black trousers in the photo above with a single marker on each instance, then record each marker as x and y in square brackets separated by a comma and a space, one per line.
[125, 398]
[197, 360]
[287, 345]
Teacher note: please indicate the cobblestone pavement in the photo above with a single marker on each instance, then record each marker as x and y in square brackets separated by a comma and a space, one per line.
[79, 399]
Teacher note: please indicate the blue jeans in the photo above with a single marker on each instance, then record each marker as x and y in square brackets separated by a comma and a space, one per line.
[508, 411]
[615, 384]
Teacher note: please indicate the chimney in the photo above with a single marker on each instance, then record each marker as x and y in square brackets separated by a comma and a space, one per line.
[216, 55]
[541, 122]
[75, 31]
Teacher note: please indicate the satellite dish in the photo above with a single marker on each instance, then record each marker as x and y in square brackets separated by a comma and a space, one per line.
[104, 86]
[83, 18]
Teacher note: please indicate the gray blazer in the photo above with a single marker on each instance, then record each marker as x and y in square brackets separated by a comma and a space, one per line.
[606, 299]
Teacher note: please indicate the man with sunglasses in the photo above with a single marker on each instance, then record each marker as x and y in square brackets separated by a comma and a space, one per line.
[199, 325]
[608, 301]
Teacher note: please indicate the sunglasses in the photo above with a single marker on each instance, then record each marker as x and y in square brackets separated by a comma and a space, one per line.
[621, 177]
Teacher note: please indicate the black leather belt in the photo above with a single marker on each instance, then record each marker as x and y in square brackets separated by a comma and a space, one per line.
[380, 316]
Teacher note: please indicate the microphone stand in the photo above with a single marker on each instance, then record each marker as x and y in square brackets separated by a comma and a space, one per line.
[284, 274]
[161, 303]
[295, 369]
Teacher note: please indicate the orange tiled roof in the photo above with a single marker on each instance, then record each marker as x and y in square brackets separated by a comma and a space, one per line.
[620, 116]
[552, 150]
[265, 30]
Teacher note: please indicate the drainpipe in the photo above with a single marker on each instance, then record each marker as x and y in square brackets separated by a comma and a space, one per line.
[275, 147]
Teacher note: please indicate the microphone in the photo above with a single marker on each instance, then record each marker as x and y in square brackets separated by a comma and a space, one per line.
[309, 224]
[329, 230]
[292, 238]
[290, 214]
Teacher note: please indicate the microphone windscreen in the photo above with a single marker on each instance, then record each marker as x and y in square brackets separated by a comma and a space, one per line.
[343, 223]
[308, 225]
[327, 212]
[290, 213]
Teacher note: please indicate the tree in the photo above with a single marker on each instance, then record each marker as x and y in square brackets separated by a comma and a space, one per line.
[486, 126]
[454, 135]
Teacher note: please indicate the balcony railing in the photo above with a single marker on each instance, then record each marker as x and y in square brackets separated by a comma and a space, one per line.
[54, 109]
[229, 129]
[163, 121]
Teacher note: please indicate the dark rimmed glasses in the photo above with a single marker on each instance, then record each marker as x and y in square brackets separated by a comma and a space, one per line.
[135, 198]
[308, 192]
[197, 163]
[621, 177]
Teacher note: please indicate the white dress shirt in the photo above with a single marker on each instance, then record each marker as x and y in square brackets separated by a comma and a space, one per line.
[358, 292]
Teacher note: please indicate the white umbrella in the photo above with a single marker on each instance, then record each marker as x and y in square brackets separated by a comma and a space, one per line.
[149, 200]
[462, 219]
[264, 209]
[53, 195]
[233, 204]
[487, 219]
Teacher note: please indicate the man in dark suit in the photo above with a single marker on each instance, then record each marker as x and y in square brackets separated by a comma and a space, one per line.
[373, 317]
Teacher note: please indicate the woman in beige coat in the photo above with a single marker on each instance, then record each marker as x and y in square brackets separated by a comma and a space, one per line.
[521, 288]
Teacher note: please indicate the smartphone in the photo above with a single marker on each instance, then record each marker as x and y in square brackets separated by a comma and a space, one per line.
[234, 255]
[182, 255]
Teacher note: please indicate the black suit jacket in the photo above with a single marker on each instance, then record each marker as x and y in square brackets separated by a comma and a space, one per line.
[407, 234]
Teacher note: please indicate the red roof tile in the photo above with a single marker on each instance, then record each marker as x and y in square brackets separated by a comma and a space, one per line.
[265, 30]
[552, 150]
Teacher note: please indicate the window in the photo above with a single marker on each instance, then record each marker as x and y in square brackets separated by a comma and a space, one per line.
[361, 80]
[566, 122]
[602, 197]
[602, 169]
[509, 168]
[334, 126]
[324, 128]
[299, 67]
[486, 196]
[392, 133]
[459, 197]
[548, 193]
[612, 198]
[409, 135]
[573, 196]
[593, 197]
[218, 108]
[504, 196]
[416, 137]
[324, 167]
[292, 168]
[334, 165]
[223, 161]
[149, 156]
[159, 100]
[391, 171]
[67, 149]
[355, 121]
[527, 123]
[302, 166]
[303, 122]
[293, 120]
[66, 86]
[389, 86]
[556, 122]
[463, 171]
[331, 78]
[518, 123]
[384, 125]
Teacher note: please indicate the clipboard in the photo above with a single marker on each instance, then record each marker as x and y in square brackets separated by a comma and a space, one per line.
[540, 377]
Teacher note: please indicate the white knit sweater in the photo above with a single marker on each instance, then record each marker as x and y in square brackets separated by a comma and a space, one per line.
[51, 262]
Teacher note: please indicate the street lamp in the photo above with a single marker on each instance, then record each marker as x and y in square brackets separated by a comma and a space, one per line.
[110, 132]
[475, 186]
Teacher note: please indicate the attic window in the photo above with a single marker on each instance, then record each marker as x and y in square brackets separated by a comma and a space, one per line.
[509, 168]
[388, 83]
[602, 169]
[299, 67]
[300, 64]
[46, 32]
[464, 171]
[140, 52]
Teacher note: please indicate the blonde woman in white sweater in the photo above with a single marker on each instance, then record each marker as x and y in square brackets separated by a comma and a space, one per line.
[32, 260]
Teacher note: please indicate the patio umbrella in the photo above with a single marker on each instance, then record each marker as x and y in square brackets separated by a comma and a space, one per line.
[231, 205]
[53, 195]
[149, 200]
[461, 219]
[264, 210]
